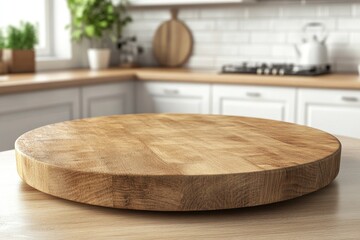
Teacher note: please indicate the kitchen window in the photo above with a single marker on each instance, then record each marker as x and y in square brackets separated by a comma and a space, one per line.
[35, 11]
[54, 50]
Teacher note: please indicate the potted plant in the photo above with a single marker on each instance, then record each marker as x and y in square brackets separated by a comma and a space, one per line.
[19, 53]
[97, 21]
[2, 43]
[2, 46]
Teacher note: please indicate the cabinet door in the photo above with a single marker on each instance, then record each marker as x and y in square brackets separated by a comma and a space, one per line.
[23, 112]
[158, 97]
[334, 111]
[108, 99]
[262, 102]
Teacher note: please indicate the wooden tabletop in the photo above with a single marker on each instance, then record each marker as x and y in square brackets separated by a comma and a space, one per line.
[331, 213]
[46, 80]
[177, 162]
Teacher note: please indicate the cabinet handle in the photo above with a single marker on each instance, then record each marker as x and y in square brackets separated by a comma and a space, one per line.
[253, 94]
[349, 99]
[171, 91]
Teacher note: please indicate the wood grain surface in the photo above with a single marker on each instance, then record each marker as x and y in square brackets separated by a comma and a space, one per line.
[174, 162]
[173, 42]
[331, 213]
[15, 83]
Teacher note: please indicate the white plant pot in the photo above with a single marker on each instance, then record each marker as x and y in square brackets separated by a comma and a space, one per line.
[98, 58]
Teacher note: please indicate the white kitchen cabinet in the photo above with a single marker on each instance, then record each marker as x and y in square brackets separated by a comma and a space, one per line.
[162, 97]
[107, 99]
[275, 103]
[23, 112]
[334, 111]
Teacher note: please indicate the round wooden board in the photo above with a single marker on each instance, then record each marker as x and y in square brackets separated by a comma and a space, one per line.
[177, 162]
[173, 43]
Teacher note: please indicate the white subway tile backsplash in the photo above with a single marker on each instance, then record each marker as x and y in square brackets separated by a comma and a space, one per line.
[356, 10]
[216, 50]
[136, 15]
[263, 11]
[298, 10]
[345, 66]
[343, 51]
[349, 24]
[255, 24]
[355, 38]
[201, 62]
[234, 37]
[335, 10]
[206, 37]
[268, 37]
[258, 32]
[145, 25]
[330, 24]
[227, 25]
[144, 36]
[339, 37]
[196, 24]
[283, 51]
[255, 50]
[189, 13]
[205, 49]
[294, 37]
[287, 24]
[156, 14]
[228, 12]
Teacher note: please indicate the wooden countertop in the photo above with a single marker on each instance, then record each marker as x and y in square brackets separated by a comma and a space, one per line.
[331, 213]
[46, 80]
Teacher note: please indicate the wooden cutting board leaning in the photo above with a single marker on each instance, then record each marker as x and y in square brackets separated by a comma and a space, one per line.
[173, 42]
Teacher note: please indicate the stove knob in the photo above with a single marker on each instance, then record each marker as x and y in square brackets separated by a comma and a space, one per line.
[267, 71]
[281, 71]
[259, 71]
[274, 71]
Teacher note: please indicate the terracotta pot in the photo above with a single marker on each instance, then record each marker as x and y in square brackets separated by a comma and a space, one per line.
[19, 61]
[3, 67]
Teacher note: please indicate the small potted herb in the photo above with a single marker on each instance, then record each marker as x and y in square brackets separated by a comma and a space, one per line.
[19, 53]
[97, 21]
[2, 46]
[2, 43]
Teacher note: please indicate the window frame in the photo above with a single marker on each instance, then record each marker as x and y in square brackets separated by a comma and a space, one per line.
[48, 50]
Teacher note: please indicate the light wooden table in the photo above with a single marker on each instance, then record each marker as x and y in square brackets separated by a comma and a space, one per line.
[331, 213]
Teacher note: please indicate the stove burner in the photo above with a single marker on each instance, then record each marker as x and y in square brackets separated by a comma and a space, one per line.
[276, 69]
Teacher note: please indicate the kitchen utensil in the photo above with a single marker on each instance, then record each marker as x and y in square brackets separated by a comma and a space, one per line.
[313, 50]
[173, 42]
[177, 162]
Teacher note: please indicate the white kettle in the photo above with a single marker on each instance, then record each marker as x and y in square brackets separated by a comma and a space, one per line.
[313, 50]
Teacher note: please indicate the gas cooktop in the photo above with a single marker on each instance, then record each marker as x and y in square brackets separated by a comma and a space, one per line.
[276, 69]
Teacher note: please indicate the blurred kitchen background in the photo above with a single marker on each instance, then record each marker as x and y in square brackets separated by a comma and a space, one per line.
[290, 60]
[263, 31]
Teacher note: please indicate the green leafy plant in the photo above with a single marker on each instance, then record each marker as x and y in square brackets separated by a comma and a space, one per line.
[123, 18]
[97, 19]
[24, 37]
[2, 40]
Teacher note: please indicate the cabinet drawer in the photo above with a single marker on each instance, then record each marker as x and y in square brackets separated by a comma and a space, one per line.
[252, 101]
[23, 112]
[159, 97]
[334, 111]
[107, 99]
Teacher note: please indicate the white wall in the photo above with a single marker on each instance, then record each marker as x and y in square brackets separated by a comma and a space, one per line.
[260, 32]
